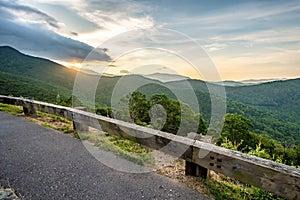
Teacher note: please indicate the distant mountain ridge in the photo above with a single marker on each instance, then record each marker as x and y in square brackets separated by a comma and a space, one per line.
[163, 77]
[259, 81]
[249, 82]
[232, 83]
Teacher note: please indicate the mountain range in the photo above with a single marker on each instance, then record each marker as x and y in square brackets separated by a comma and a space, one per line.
[272, 106]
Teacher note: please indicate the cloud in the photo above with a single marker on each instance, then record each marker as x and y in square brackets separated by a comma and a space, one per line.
[276, 35]
[28, 14]
[245, 23]
[124, 71]
[240, 14]
[215, 46]
[113, 17]
[96, 21]
[111, 14]
[40, 40]
[74, 33]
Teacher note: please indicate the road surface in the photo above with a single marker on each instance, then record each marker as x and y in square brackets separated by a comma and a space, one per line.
[40, 163]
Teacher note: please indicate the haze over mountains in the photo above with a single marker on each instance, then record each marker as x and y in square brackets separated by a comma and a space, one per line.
[163, 77]
[273, 107]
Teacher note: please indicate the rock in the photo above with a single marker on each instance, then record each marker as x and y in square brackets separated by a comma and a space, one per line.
[8, 194]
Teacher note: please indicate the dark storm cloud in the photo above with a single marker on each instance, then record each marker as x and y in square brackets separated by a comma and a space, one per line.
[37, 40]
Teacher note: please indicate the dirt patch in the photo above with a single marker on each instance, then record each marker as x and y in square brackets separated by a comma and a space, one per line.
[58, 123]
[176, 171]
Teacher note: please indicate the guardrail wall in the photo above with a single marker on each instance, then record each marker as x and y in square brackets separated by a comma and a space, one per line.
[268, 175]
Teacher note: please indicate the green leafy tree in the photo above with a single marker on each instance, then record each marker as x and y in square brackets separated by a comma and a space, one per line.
[202, 128]
[191, 122]
[166, 114]
[172, 109]
[297, 158]
[138, 108]
[105, 111]
[236, 130]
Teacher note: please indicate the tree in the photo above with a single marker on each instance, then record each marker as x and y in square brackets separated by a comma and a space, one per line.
[191, 122]
[297, 152]
[236, 130]
[165, 114]
[138, 108]
[105, 111]
[202, 129]
[172, 109]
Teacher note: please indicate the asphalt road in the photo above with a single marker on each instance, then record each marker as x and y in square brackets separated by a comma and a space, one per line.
[40, 163]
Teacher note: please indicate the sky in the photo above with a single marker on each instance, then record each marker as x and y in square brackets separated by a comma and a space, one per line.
[229, 40]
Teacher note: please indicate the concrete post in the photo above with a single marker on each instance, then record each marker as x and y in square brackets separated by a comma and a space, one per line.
[193, 169]
[29, 108]
[79, 126]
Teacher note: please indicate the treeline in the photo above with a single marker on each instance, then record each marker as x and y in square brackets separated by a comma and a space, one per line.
[280, 98]
[279, 105]
[284, 131]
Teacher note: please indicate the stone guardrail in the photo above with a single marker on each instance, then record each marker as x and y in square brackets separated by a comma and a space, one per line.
[274, 177]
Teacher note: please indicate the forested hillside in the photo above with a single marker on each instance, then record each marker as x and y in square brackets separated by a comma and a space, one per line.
[273, 107]
[23, 75]
[281, 98]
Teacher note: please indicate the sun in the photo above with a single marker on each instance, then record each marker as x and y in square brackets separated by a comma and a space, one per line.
[72, 65]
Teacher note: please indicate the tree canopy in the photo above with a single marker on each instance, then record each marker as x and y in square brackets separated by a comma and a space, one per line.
[160, 112]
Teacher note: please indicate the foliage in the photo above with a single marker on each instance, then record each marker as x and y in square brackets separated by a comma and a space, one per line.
[283, 130]
[54, 117]
[281, 98]
[276, 108]
[228, 144]
[167, 114]
[64, 129]
[55, 122]
[236, 136]
[236, 130]
[138, 108]
[105, 111]
[128, 145]
[172, 110]
[41, 79]
[259, 152]
[124, 148]
[11, 109]
[231, 190]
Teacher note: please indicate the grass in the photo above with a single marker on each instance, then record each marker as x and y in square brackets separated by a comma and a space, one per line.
[123, 148]
[11, 109]
[229, 189]
[54, 117]
[64, 129]
[55, 122]
[47, 120]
